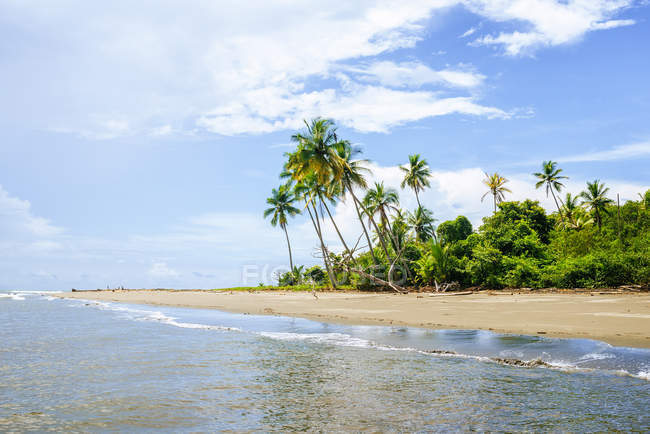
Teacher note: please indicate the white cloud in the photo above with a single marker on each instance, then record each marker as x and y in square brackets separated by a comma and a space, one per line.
[469, 32]
[18, 221]
[623, 152]
[547, 22]
[364, 108]
[415, 74]
[235, 72]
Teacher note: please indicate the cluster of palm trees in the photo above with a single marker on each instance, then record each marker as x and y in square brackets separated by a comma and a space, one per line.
[576, 212]
[323, 170]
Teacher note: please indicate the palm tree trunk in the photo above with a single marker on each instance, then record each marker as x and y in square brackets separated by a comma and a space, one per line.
[335, 226]
[495, 202]
[433, 232]
[559, 211]
[363, 226]
[372, 220]
[389, 230]
[319, 232]
[286, 234]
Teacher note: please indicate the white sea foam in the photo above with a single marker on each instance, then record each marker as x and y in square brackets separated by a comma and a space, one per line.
[597, 356]
[16, 297]
[156, 316]
[645, 375]
[339, 339]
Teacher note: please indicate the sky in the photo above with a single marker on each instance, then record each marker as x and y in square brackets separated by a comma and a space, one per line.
[141, 139]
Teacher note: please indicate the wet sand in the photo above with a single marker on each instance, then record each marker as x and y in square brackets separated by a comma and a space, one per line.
[618, 319]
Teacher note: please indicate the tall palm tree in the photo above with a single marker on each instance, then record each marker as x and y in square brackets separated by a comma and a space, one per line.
[422, 223]
[550, 177]
[281, 201]
[594, 197]
[316, 153]
[495, 183]
[416, 175]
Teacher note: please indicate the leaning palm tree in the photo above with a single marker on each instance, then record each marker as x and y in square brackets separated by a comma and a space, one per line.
[281, 201]
[594, 197]
[416, 175]
[495, 183]
[422, 223]
[550, 177]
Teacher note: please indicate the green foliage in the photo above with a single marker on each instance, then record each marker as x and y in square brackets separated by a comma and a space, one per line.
[434, 264]
[453, 231]
[290, 278]
[521, 272]
[600, 269]
[316, 275]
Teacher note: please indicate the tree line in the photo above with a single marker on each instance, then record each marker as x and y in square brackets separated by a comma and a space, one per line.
[589, 241]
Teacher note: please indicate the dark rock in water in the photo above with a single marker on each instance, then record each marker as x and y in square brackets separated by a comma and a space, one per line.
[522, 363]
[440, 352]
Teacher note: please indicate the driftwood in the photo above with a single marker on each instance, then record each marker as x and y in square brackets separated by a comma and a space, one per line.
[381, 282]
[348, 262]
[450, 293]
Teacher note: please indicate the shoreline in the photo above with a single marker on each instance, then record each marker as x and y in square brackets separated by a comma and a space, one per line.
[620, 319]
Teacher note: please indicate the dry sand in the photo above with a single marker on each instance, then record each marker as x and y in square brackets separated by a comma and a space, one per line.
[619, 319]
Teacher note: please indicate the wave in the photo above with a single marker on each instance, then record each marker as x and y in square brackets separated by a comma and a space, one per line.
[13, 296]
[155, 316]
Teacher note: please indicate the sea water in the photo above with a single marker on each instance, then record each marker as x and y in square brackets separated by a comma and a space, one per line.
[74, 365]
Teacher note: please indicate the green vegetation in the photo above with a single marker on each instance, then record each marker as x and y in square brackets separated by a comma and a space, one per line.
[588, 242]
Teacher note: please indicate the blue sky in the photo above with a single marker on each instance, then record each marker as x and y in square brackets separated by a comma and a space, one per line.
[140, 141]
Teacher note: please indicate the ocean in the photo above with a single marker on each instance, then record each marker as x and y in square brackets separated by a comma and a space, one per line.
[79, 366]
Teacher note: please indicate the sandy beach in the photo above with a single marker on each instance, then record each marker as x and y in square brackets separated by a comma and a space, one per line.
[619, 319]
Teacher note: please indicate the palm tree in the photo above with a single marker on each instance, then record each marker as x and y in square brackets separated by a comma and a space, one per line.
[381, 200]
[422, 223]
[495, 183]
[581, 220]
[316, 153]
[399, 230]
[416, 175]
[594, 198]
[281, 201]
[571, 206]
[550, 176]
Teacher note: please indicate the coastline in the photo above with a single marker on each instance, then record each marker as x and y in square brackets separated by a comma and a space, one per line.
[621, 319]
